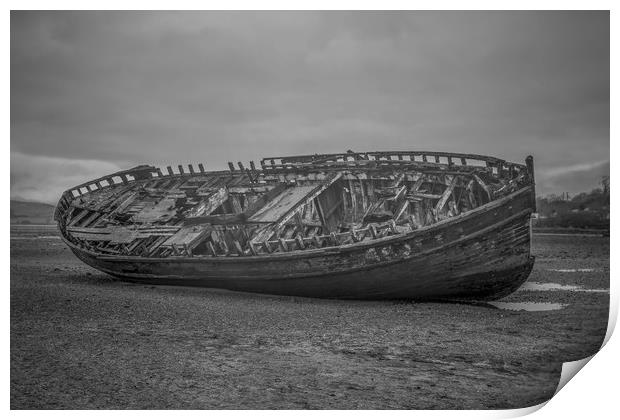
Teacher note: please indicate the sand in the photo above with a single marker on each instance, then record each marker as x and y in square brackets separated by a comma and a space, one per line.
[83, 340]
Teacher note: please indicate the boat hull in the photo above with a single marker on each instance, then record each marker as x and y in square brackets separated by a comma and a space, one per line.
[480, 255]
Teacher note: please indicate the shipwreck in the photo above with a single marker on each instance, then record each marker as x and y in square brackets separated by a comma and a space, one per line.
[356, 225]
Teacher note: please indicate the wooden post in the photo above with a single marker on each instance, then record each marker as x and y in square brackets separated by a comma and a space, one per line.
[231, 166]
[252, 248]
[321, 214]
[300, 242]
[191, 169]
[401, 210]
[211, 248]
[353, 201]
[181, 171]
[201, 168]
[238, 248]
[500, 169]
[446, 194]
[529, 162]
[223, 246]
[484, 186]
[250, 177]
[392, 225]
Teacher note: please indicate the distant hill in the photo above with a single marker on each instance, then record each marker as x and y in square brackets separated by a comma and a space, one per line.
[27, 213]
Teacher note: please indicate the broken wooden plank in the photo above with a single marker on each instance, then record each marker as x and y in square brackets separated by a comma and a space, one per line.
[161, 211]
[219, 239]
[154, 247]
[236, 205]
[92, 219]
[187, 237]
[211, 248]
[372, 208]
[208, 204]
[484, 186]
[282, 208]
[118, 234]
[283, 204]
[400, 210]
[416, 186]
[423, 195]
[446, 194]
[238, 248]
[353, 201]
[78, 217]
[300, 242]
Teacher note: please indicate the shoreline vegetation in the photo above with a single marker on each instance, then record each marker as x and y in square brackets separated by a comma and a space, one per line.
[581, 213]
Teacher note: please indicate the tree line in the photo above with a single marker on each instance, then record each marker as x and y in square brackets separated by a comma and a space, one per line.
[588, 210]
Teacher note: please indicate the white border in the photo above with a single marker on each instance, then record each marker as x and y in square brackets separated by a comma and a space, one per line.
[591, 395]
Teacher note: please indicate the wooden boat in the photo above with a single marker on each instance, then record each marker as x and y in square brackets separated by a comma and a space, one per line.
[378, 225]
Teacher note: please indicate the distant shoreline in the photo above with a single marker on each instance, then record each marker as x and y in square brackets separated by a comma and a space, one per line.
[570, 231]
[33, 224]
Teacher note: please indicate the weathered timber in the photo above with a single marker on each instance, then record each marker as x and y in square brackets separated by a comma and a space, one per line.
[484, 186]
[400, 211]
[283, 207]
[446, 194]
[378, 225]
[187, 237]
[209, 204]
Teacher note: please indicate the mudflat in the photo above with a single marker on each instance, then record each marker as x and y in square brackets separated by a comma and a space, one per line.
[81, 339]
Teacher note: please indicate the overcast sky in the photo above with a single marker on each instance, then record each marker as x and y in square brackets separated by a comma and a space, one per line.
[93, 92]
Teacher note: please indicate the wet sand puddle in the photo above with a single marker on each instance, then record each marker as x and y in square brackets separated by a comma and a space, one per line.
[552, 287]
[529, 306]
[572, 270]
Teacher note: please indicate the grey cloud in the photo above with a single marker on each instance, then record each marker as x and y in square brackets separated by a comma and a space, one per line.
[574, 179]
[41, 178]
[167, 87]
